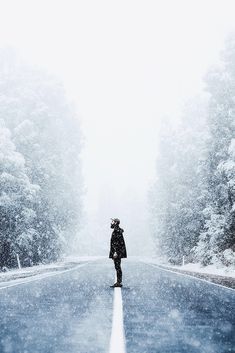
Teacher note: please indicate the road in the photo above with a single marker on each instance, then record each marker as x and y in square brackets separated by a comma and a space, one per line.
[72, 312]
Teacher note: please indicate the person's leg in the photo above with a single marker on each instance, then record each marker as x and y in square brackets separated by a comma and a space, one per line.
[117, 264]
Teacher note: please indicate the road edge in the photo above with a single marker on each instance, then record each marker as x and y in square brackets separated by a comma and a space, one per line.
[172, 270]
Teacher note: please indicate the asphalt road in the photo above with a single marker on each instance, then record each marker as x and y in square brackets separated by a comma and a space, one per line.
[67, 313]
[165, 312]
[72, 312]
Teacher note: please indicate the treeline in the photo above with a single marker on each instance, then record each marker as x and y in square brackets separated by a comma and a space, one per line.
[40, 171]
[193, 198]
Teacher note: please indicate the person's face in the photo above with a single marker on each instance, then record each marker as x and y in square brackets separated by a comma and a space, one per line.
[112, 224]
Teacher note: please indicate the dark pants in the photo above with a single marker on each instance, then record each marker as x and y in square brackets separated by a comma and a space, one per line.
[117, 264]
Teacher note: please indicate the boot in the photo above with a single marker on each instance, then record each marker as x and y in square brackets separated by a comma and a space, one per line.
[117, 284]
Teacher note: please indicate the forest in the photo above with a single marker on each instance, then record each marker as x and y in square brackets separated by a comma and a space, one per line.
[192, 201]
[193, 197]
[40, 171]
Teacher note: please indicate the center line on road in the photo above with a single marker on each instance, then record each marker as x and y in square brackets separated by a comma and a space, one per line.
[117, 341]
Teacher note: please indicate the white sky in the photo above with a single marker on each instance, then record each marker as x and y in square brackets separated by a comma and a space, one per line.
[126, 64]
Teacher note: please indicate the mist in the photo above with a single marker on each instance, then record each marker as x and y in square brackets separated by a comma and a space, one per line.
[129, 68]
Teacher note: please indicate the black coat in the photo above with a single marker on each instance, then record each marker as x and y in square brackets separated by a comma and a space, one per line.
[117, 243]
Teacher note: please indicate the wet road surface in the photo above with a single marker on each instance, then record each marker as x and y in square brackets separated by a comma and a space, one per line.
[72, 312]
[66, 313]
[165, 312]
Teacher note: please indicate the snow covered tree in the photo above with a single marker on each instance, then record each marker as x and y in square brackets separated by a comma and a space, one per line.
[177, 199]
[193, 208]
[45, 131]
[18, 197]
[219, 233]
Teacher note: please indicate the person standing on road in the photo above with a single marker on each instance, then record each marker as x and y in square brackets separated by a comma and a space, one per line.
[117, 249]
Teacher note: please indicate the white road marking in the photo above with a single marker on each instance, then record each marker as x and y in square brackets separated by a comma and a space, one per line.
[39, 277]
[188, 275]
[117, 341]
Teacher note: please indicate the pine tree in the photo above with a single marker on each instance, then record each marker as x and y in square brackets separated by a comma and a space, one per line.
[218, 235]
[45, 131]
[178, 195]
[18, 198]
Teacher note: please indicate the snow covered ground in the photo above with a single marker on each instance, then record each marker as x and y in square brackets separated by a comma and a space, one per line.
[221, 276]
[211, 269]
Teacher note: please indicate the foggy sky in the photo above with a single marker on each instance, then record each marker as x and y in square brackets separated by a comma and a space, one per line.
[126, 64]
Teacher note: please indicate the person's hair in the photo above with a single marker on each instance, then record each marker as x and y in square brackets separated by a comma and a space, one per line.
[116, 220]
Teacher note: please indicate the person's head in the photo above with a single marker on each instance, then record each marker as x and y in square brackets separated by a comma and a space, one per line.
[115, 222]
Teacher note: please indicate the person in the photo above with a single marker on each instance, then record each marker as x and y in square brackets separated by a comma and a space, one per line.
[117, 249]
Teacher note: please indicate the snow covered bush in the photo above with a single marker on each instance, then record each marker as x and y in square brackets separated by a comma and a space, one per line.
[229, 257]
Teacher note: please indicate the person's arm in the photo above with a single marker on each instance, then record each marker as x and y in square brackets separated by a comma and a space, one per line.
[112, 247]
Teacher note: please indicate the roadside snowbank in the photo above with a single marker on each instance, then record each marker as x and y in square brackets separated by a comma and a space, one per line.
[67, 263]
[211, 269]
[221, 276]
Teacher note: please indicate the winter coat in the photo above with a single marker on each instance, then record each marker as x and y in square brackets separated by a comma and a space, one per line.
[117, 244]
